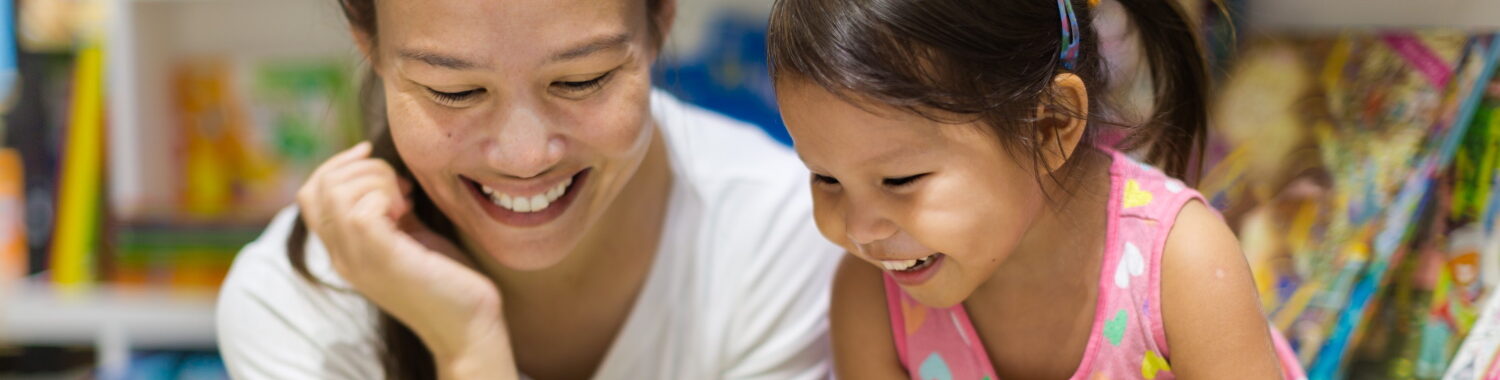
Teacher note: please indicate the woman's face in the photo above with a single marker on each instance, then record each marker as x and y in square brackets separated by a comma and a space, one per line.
[522, 119]
[937, 206]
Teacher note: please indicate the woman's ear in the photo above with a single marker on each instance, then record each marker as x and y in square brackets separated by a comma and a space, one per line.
[1061, 123]
[366, 45]
[666, 14]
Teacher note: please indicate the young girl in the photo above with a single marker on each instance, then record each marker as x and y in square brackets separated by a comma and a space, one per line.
[951, 145]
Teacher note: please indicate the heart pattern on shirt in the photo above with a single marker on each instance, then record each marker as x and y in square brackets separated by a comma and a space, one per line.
[1174, 186]
[914, 313]
[1114, 329]
[1135, 196]
[934, 368]
[1131, 264]
[1152, 364]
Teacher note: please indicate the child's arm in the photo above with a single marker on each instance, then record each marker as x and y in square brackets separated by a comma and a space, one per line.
[860, 326]
[1210, 308]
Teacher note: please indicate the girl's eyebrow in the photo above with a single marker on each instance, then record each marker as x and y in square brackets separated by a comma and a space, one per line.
[891, 154]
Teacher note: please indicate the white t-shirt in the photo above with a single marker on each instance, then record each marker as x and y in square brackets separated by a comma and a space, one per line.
[738, 290]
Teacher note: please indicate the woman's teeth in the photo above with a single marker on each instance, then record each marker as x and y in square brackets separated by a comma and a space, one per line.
[533, 203]
[906, 265]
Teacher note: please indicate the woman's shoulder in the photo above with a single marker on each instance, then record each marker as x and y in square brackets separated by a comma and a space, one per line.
[267, 255]
[708, 148]
[273, 323]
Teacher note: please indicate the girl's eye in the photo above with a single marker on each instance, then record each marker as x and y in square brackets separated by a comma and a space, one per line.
[902, 181]
[823, 179]
[579, 88]
[452, 99]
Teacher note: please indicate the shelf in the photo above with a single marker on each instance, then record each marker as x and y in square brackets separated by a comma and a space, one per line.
[1341, 14]
[37, 314]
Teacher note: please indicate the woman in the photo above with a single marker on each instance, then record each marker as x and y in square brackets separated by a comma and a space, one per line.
[534, 209]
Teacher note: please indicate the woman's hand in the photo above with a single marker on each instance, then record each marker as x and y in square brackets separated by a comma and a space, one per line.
[360, 209]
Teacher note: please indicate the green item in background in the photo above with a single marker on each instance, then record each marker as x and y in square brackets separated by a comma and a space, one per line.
[309, 109]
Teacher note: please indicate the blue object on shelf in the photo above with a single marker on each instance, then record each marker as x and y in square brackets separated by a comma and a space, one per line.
[729, 76]
[8, 69]
[170, 365]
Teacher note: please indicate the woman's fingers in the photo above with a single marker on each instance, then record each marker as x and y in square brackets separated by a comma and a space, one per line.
[372, 176]
[336, 188]
[308, 196]
[359, 151]
[431, 240]
[366, 226]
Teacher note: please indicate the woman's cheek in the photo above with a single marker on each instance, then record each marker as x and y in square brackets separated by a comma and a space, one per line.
[616, 127]
[422, 132]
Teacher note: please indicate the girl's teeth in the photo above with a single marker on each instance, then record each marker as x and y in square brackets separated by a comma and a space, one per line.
[898, 264]
[533, 203]
[902, 265]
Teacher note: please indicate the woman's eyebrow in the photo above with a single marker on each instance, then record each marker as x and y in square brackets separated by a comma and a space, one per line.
[608, 42]
[439, 60]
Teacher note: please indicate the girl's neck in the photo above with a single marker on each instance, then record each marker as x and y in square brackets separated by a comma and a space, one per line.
[1068, 235]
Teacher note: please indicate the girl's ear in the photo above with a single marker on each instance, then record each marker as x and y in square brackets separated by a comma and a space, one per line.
[1062, 122]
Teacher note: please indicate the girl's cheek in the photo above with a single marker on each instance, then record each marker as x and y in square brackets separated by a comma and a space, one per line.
[828, 223]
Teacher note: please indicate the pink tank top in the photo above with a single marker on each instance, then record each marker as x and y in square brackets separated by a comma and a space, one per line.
[1127, 340]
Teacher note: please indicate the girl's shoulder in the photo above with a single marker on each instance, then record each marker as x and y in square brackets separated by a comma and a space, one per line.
[1145, 191]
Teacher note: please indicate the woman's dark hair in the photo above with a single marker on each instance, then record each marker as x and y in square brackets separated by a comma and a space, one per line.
[993, 62]
[403, 355]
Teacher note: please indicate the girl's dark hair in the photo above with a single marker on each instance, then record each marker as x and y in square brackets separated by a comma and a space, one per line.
[403, 355]
[993, 62]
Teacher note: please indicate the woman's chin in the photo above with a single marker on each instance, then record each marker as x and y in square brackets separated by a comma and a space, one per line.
[527, 256]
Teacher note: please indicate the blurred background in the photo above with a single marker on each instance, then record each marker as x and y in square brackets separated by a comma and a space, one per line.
[1354, 148]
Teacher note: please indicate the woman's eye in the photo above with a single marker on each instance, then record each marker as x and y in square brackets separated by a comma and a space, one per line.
[823, 179]
[902, 181]
[576, 88]
[453, 98]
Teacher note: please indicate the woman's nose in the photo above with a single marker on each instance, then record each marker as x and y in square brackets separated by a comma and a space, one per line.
[524, 145]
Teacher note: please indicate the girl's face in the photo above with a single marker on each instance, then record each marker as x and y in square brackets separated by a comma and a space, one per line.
[938, 206]
[522, 119]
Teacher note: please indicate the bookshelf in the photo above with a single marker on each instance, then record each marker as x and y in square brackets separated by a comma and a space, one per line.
[115, 321]
[146, 39]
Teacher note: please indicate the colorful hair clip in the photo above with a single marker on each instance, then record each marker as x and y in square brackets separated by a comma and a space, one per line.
[1070, 38]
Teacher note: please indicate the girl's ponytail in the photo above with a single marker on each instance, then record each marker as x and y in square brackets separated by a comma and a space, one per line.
[1174, 135]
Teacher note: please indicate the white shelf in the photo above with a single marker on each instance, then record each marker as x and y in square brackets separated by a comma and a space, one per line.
[1338, 14]
[35, 314]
